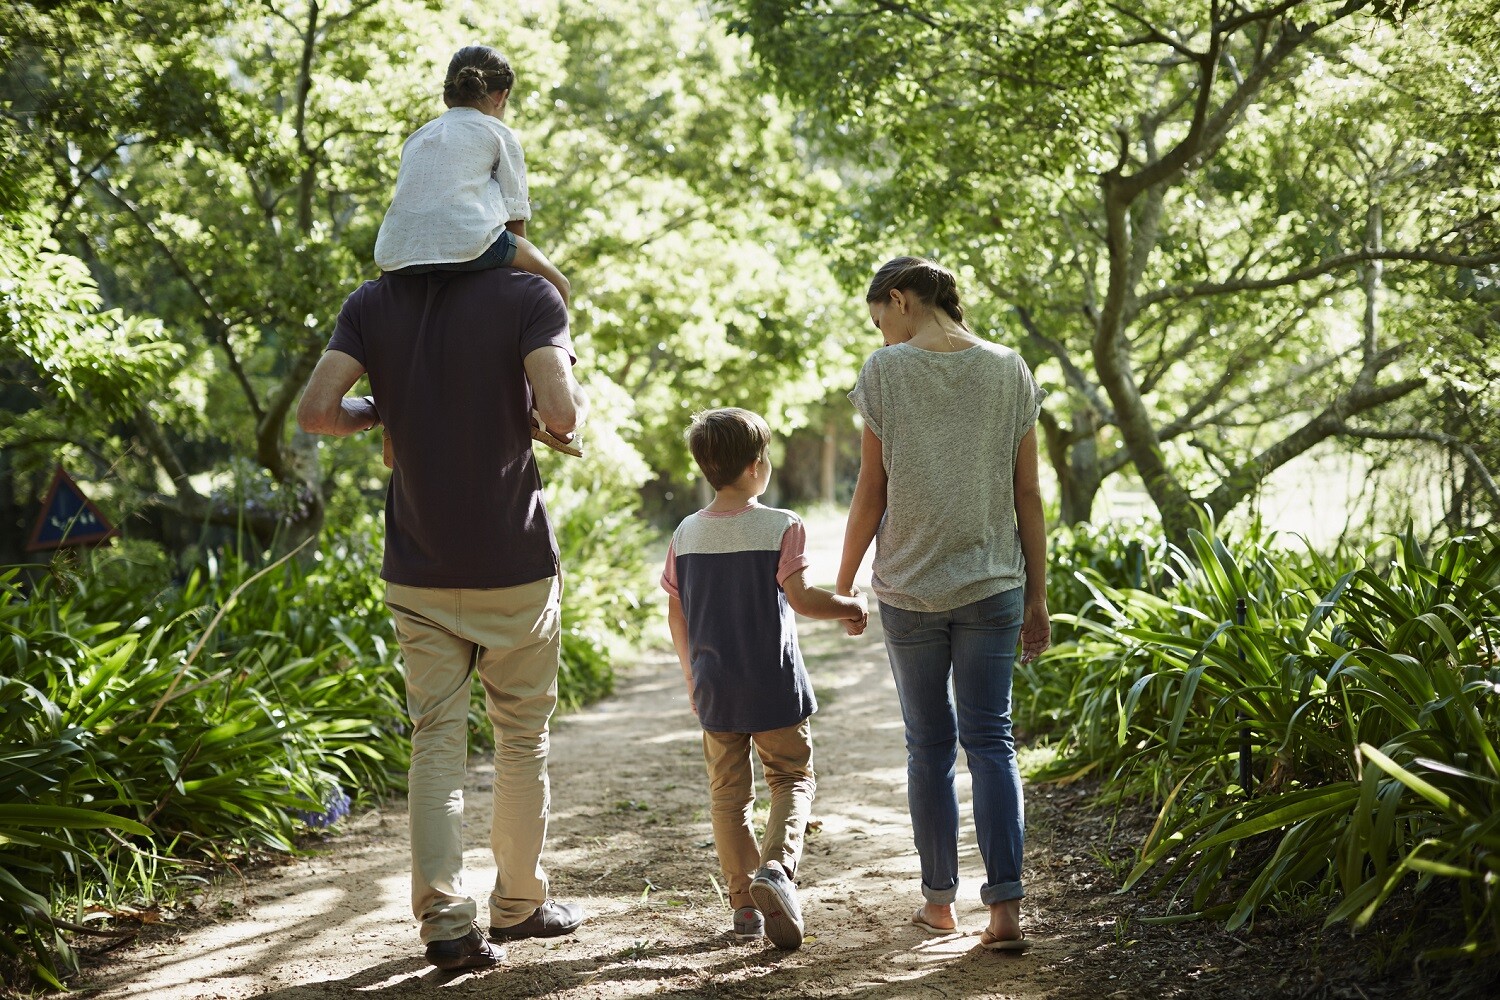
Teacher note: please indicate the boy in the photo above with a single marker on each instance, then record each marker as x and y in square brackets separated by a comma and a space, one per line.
[736, 572]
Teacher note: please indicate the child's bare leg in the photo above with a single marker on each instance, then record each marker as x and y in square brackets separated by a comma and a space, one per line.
[529, 258]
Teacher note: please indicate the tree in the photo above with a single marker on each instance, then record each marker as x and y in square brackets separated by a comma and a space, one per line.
[230, 166]
[1195, 213]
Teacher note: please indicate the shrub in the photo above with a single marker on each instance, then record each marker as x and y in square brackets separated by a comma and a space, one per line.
[1369, 694]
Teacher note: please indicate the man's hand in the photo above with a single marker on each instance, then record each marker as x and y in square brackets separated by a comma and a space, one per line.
[539, 432]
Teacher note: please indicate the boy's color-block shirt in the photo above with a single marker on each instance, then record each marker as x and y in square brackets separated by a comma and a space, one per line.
[727, 569]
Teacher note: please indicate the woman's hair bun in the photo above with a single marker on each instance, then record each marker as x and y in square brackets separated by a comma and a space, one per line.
[927, 280]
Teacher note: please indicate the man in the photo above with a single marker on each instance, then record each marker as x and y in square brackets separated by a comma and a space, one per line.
[457, 363]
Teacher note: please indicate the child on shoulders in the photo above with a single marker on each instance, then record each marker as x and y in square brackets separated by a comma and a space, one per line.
[461, 201]
[735, 572]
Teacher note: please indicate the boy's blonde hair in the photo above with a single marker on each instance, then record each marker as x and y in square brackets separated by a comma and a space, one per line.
[725, 442]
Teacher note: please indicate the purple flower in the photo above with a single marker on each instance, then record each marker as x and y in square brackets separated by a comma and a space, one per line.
[335, 805]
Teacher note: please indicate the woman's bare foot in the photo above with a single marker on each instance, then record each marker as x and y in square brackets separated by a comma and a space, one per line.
[936, 916]
[1005, 920]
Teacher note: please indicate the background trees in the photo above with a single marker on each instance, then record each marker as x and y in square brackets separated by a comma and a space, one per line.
[1230, 232]
[222, 168]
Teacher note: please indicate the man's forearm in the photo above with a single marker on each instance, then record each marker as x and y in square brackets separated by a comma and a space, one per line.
[355, 414]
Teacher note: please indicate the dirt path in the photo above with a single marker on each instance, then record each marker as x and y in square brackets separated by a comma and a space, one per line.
[630, 839]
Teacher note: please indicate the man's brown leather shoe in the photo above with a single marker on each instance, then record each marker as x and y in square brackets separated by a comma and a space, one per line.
[551, 919]
[471, 951]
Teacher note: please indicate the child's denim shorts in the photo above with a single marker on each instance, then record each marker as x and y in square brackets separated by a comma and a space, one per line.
[500, 254]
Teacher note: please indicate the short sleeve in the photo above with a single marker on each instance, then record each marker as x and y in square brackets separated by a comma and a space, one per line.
[866, 395]
[1028, 400]
[510, 173]
[669, 573]
[547, 325]
[346, 335]
[793, 551]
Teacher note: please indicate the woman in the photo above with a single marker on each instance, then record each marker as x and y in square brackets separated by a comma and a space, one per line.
[948, 488]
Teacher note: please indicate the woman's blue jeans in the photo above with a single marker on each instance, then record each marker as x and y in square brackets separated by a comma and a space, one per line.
[953, 675]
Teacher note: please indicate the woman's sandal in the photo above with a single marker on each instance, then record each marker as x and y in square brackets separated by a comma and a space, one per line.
[989, 942]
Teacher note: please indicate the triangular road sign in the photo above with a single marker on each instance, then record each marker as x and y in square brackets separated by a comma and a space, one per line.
[68, 518]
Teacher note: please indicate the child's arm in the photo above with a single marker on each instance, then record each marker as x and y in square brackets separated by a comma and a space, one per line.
[825, 605]
[529, 258]
[677, 622]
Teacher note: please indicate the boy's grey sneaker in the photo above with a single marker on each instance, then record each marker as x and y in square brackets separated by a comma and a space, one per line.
[749, 925]
[471, 951]
[776, 898]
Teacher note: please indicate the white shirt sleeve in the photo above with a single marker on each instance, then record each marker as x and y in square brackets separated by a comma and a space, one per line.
[510, 174]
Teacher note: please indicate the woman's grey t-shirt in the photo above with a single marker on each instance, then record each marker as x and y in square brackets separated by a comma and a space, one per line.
[949, 426]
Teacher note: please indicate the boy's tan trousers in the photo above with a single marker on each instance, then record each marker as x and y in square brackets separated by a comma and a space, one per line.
[510, 635]
[786, 755]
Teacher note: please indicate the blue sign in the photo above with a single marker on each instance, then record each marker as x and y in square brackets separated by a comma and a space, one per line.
[68, 518]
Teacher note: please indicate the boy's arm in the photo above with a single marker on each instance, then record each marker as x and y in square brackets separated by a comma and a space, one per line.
[677, 622]
[825, 605]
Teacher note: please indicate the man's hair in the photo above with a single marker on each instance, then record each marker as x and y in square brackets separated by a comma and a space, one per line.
[725, 442]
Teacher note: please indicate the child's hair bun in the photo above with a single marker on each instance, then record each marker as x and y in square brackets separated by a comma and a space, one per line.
[476, 70]
[467, 84]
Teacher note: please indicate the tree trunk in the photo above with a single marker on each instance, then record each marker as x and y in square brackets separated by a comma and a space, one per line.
[828, 482]
[1112, 362]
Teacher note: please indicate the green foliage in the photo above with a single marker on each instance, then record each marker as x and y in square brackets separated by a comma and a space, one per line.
[601, 539]
[1178, 192]
[1371, 697]
[229, 170]
[198, 717]
[79, 368]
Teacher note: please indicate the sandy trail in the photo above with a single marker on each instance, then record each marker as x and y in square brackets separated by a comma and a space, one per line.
[630, 839]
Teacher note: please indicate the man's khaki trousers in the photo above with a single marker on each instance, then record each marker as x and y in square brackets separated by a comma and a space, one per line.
[510, 635]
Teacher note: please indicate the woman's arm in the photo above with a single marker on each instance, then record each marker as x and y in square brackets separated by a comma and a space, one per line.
[865, 512]
[1036, 624]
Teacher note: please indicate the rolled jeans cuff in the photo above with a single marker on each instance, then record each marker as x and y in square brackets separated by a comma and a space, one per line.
[989, 895]
[940, 897]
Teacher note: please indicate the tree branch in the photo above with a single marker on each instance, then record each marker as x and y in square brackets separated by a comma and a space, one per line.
[157, 444]
[1249, 475]
[1210, 288]
[1072, 374]
[1155, 34]
[270, 428]
[220, 326]
[1436, 437]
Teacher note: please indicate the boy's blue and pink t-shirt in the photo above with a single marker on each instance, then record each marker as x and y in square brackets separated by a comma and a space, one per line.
[727, 569]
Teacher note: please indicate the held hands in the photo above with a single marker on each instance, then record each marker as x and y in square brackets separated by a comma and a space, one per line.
[857, 625]
[1036, 630]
